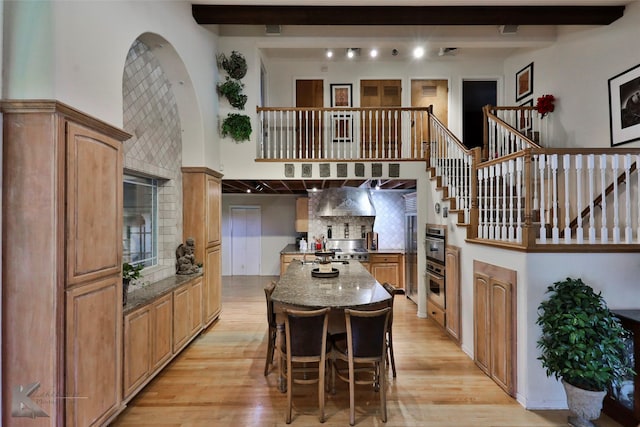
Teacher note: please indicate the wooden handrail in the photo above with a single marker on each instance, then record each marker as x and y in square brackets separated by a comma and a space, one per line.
[510, 128]
[452, 136]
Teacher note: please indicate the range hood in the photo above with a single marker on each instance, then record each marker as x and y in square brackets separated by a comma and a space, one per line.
[345, 201]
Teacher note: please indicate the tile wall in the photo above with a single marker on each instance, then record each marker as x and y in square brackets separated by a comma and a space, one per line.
[155, 149]
[388, 223]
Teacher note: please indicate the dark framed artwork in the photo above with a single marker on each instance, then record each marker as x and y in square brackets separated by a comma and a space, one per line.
[524, 119]
[341, 95]
[524, 82]
[624, 106]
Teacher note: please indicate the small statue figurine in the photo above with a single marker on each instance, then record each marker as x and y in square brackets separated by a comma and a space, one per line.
[185, 257]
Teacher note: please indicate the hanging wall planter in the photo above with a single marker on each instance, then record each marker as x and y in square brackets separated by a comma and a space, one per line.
[235, 65]
[237, 126]
[232, 90]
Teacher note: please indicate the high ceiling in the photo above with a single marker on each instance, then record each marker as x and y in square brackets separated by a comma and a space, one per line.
[306, 29]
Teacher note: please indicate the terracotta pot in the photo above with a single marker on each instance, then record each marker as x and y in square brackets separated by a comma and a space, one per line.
[585, 404]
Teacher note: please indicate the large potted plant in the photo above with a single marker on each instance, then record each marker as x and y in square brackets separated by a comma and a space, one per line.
[582, 344]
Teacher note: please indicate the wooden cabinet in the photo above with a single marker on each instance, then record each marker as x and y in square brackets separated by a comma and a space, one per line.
[162, 332]
[436, 313]
[387, 268]
[201, 192]
[147, 342]
[494, 324]
[137, 349]
[452, 293]
[187, 313]
[212, 291]
[302, 214]
[62, 209]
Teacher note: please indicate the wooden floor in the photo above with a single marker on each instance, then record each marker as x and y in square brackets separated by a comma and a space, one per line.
[218, 380]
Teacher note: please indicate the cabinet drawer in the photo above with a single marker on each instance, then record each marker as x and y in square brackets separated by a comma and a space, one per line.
[436, 313]
[373, 258]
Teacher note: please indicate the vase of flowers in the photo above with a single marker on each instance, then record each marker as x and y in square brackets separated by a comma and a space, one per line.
[544, 105]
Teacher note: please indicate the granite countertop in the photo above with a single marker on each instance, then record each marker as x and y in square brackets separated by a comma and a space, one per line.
[354, 287]
[292, 249]
[144, 295]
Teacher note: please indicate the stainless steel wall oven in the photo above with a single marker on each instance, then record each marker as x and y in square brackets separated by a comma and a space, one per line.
[436, 281]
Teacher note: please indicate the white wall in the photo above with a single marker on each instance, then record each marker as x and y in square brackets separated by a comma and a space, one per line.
[74, 51]
[576, 71]
[278, 228]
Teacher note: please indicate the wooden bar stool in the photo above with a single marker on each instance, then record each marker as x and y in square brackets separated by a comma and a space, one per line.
[305, 343]
[271, 319]
[365, 353]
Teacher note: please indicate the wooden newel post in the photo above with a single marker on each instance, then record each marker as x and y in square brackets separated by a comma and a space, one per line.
[485, 124]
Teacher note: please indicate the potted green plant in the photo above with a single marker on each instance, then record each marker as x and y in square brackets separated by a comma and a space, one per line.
[582, 343]
[237, 126]
[235, 65]
[130, 273]
[232, 90]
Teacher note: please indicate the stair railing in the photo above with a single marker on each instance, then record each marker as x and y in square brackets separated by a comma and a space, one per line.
[531, 198]
[454, 163]
[506, 128]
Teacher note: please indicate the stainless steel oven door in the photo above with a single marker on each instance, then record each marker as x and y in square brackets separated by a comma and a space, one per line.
[435, 249]
[436, 284]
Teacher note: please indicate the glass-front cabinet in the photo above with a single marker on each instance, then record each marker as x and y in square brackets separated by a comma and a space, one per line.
[623, 398]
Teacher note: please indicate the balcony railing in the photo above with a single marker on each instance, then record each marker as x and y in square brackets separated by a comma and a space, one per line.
[343, 133]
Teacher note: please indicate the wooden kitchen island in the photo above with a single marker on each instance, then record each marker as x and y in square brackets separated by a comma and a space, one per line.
[353, 288]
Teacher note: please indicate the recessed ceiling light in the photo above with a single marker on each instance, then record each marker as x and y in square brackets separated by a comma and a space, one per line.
[418, 52]
[329, 53]
[350, 53]
[373, 53]
[248, 190]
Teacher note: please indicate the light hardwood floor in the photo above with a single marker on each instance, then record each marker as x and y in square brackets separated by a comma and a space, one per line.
[218, 380]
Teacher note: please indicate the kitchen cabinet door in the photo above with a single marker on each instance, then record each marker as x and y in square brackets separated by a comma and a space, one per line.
[481, 322]
[195, 303]
[161, 339]
[181, 320]
[494, 323]
[137, 348]
[387, 268]
[93, 351]
[302, 215]
[212, 292]
[452, 292]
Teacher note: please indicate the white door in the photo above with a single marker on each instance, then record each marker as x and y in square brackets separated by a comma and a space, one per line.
[246, 234]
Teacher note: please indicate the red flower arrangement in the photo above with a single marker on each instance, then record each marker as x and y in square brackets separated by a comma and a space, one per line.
[545, 105]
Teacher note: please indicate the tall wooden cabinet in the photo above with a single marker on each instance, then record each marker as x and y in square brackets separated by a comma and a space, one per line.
[202, 192]
[495, 323]
[62, 252]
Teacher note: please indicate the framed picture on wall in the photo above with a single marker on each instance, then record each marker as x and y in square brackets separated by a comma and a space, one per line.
[624, 106]
[341, 95]
[524, 116]
[524, 82]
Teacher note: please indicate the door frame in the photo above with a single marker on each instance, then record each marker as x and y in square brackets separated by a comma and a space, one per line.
[246, 207]
[499, 96]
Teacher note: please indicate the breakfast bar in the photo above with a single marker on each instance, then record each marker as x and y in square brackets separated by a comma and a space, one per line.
[353, 288]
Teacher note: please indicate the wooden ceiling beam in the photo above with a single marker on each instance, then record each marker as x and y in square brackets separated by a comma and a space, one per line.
[405, 15]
